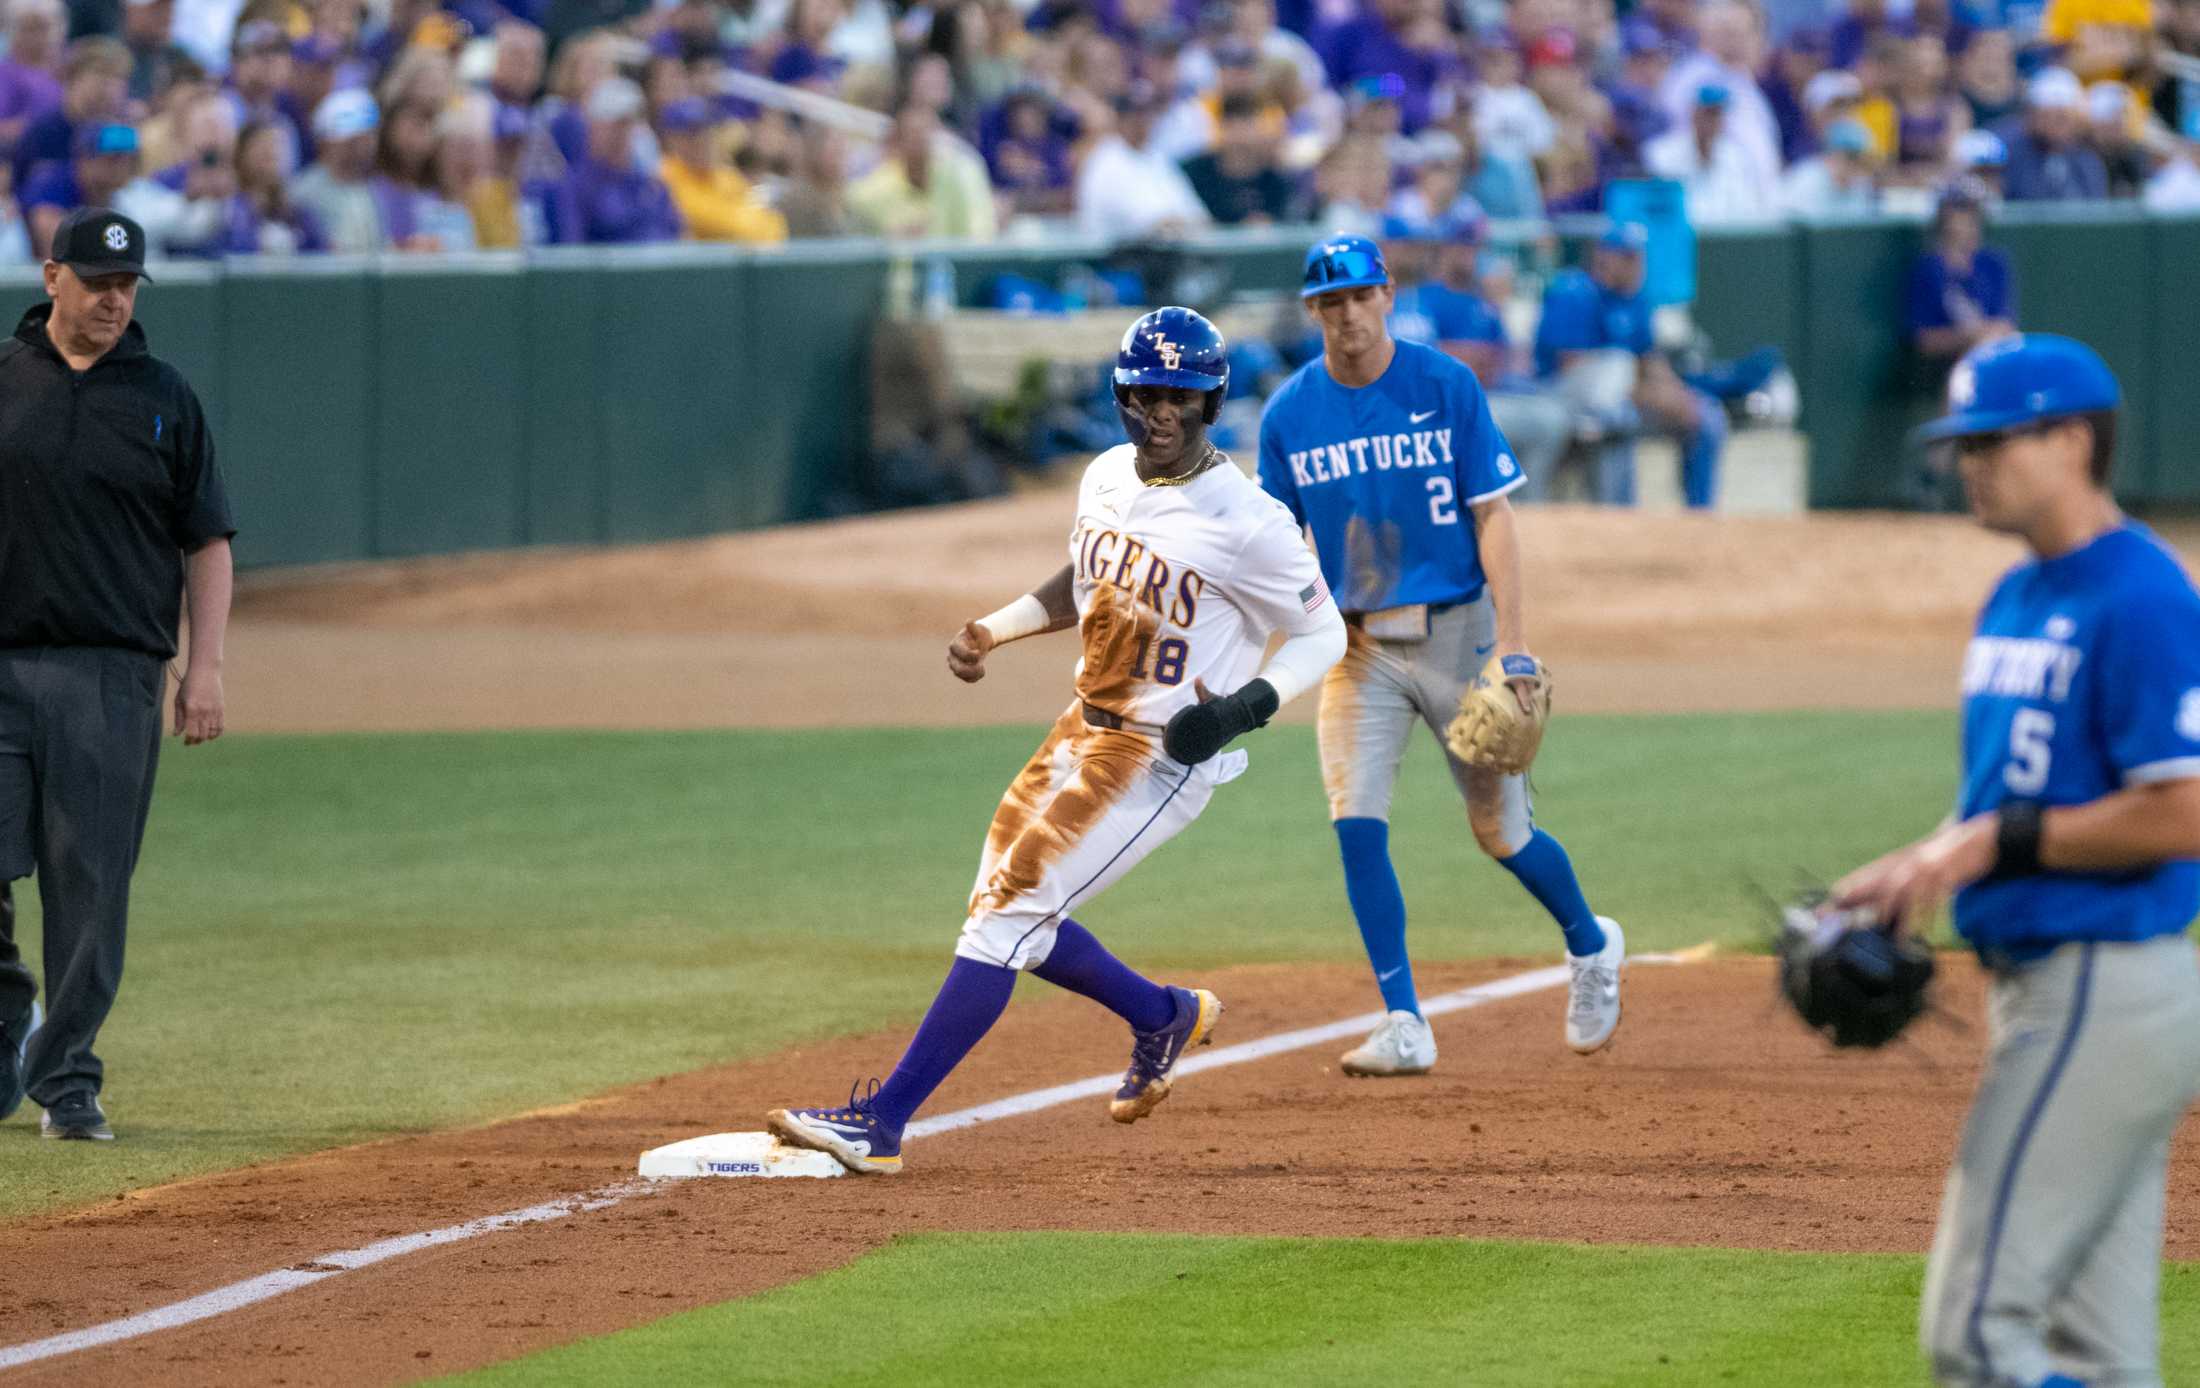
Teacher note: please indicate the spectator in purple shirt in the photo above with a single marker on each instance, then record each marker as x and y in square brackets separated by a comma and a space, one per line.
[403, 145]
[2049, 160]
[805, 62]
[315, 64]
[105, 159]
[1798, 60]
[30, 76]
[1865, 21]
[1638, 115]
[95, 85]
[612, 201]
[1676, 19]
[1928, 119]
[1030, 161]
[1405, 39]
[263, 220]
[259, 81]
[585, 62]
[1960, 292]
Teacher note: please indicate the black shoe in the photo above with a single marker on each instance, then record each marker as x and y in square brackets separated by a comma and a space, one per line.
[76, 1118]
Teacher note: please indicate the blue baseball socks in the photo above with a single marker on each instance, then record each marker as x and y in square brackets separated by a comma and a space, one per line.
[1371, 885]
[1083, 965]
[970, 1002]
[1548, 874]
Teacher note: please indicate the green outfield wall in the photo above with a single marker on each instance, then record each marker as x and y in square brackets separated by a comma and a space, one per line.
[401, 407]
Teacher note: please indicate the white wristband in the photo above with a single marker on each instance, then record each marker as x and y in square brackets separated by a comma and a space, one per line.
[1027, 616]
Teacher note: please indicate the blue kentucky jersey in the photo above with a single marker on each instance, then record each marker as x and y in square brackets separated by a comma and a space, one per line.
[2083, 678]
[1383, 476]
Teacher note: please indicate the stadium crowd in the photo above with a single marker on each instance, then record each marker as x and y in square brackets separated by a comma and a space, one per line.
[423, 125]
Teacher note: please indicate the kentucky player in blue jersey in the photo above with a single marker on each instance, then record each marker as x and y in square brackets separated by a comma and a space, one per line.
[1593, 344]
[1385, 451]
[2070, 857]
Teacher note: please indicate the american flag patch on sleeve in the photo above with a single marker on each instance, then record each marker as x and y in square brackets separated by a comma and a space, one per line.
[1314, 594]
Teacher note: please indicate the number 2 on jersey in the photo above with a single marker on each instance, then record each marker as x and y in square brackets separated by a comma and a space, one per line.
[1169, 658]
[2029, 734]
[1440, 510]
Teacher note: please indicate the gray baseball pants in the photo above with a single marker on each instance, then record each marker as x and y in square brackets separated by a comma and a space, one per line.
[2048, 1255]
[79, 740]
[1374, 697]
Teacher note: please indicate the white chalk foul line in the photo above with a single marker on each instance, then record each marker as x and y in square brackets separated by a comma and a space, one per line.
[253, 1290]
[238, 1295]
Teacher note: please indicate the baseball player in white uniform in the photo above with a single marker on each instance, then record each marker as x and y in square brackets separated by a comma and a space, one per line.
[1180, 567]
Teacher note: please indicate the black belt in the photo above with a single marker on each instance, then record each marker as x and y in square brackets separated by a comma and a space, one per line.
[1098, 717]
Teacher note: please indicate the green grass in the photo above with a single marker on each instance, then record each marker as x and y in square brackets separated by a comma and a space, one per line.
[340, 938]
[1114, 1309]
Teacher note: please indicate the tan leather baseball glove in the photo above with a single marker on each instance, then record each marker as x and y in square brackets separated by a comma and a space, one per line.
[1501, 716]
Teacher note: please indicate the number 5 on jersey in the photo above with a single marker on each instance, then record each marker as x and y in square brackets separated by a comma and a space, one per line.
[2030, 732]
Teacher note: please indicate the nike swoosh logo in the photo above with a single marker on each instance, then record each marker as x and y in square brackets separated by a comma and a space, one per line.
[1386, 976]
[855, 1130]
[1417, 418]
[1485, 650]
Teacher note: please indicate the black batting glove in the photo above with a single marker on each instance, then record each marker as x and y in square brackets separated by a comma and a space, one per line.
[1198, 732]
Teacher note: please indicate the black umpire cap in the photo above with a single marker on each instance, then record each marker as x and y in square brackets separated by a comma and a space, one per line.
[100, 241]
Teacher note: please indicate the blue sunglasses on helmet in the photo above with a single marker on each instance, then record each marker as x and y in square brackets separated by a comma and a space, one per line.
[1343, 262]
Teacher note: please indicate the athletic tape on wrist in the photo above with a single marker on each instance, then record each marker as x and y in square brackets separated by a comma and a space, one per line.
[1027, 616]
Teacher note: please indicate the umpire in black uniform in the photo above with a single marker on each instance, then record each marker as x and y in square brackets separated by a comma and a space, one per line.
[111, 511]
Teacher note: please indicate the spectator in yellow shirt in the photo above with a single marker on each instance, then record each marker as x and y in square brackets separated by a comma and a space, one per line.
[2100, 38]
[716, 203]
[927, 185]
[1876, 72]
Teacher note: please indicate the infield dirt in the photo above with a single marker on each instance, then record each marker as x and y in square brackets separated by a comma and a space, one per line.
[847, 623]
[1714, 1120]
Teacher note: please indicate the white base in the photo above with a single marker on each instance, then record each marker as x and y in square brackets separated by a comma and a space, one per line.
[736, 1154]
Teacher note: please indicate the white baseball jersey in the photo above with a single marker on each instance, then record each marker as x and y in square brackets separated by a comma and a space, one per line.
[1182, 584]
[1174, 585]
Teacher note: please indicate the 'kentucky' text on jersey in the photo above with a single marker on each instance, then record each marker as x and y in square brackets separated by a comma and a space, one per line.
[1383, 473]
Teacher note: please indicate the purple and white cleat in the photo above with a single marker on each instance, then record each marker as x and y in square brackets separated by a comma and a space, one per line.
[1154, 1053]
[853, 1135]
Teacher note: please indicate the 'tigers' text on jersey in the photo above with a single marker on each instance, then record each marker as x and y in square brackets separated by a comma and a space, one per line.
[1122, 561]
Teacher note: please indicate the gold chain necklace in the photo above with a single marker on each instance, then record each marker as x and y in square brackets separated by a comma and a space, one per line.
[1207, 460]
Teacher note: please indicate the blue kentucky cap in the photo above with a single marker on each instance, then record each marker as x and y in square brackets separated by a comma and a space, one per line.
[2027, 379]
[1343, 262]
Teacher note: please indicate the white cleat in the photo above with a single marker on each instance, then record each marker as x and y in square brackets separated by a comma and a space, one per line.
[1592, 998]
[1401, 1045]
